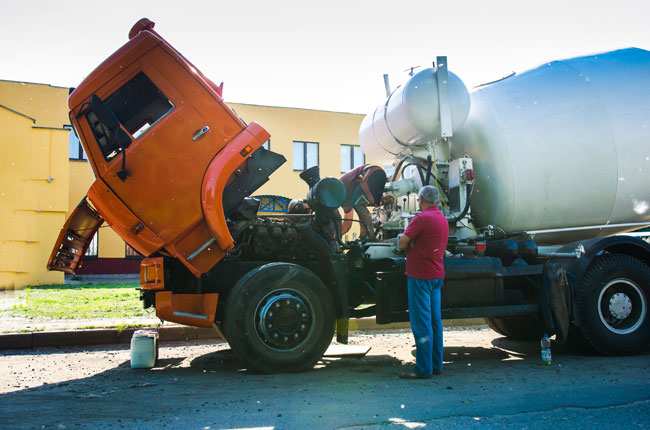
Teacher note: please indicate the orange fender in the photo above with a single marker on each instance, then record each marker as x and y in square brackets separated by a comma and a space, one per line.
[220, 169]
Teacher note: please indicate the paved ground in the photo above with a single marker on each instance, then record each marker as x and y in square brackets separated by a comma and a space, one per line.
[488, 382]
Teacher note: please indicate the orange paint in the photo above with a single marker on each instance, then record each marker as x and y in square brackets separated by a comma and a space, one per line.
[74, 238]
[152, 276]
[189, 309]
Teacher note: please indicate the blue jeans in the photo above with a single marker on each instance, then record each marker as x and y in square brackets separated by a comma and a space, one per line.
[426, 323]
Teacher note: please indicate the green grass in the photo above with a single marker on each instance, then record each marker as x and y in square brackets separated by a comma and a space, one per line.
[81, 301]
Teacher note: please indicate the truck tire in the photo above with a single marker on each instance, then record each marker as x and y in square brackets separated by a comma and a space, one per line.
[279, 318]
[612, 306]
[518, 328]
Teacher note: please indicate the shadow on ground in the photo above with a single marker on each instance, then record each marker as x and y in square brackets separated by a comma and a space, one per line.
[215, 384]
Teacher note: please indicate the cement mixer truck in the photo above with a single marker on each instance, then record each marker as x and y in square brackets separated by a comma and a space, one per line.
[538, 174]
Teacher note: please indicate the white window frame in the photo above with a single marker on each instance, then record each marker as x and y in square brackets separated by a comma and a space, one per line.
[300, 153]
[74, 140]
[349, 162]
[130, 252]
[93, 248]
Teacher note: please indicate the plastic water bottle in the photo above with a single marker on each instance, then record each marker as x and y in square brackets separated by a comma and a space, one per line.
[546, 350]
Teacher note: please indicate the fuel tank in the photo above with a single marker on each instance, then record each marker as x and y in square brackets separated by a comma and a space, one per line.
[563, 150]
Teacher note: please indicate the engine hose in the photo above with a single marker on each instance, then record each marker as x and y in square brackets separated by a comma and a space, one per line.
[337, 225]
[369, 228]
[397, 169]
[441, 188]
[429, 165]
[315, 241]
[468, 195]
[419, 171]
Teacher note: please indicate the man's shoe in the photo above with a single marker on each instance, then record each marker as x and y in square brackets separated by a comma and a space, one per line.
[413, 375]
[437, 372]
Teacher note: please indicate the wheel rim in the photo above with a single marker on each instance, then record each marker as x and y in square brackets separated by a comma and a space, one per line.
[622, 306]
[284, 319]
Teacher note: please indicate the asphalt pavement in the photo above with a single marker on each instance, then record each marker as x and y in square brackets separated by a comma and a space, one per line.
[488, 382]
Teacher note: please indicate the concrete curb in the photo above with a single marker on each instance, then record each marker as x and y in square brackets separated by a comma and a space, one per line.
[113, 336]
[107, 336]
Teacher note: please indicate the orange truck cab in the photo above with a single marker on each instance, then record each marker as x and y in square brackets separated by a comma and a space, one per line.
[172, 161]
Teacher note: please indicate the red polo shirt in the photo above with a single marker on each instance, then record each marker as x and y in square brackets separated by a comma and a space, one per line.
[430, 231]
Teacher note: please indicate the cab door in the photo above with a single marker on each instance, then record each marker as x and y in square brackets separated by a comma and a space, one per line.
[176, 127]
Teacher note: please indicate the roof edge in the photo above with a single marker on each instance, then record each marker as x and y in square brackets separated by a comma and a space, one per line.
[19, 113]
[34, 83]
[292, 107]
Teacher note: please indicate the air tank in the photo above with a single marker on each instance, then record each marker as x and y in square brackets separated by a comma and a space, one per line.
[563, 150]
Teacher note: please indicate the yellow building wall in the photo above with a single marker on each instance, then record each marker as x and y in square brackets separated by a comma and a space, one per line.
[33, 199]
[45, 103]
[286, 125]
[34, 180]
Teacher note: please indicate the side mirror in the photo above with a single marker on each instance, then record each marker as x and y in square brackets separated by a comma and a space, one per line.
[106, 116]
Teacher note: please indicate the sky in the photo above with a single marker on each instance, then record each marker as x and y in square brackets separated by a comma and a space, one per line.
[328, 55]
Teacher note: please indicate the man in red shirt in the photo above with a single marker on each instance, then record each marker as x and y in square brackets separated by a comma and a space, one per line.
[425, 242]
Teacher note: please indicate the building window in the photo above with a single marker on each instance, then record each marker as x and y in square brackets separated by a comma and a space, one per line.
[305, 155]
[351, 156]
[74, 144]
[92, 248]
[267, 145]
[130, 252]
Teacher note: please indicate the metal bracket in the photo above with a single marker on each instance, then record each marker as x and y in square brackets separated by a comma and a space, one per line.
[444, 108]
[387, 85]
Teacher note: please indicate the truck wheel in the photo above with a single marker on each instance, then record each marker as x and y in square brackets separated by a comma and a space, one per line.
[518, 328]
[612, 306]
[279, 318]
[220, 331]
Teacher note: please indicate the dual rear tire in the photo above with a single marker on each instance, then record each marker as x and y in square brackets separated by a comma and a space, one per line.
[611, 306]
[611, 314]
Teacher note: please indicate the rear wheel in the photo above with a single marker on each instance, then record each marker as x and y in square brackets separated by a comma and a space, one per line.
[279, 318]
[518, 328]
[612, 306]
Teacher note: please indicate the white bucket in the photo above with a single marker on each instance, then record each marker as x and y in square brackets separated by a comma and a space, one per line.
[144, 349]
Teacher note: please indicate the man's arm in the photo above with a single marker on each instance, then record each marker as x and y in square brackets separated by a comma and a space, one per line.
[407, 240]
[405, 243]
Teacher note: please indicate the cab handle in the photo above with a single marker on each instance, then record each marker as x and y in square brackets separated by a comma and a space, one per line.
[200, 133]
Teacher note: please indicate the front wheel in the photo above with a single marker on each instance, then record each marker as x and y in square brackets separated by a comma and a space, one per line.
[612, 306]
[279, 318]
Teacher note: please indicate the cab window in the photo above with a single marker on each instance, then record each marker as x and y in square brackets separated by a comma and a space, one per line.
[139, 104]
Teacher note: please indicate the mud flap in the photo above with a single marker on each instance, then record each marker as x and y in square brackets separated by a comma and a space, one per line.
[74, 238]
[554, 300]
